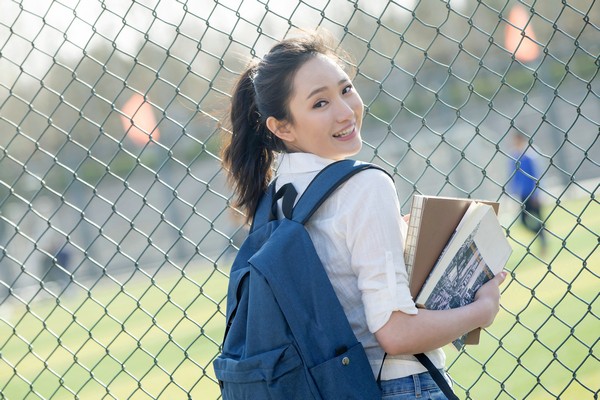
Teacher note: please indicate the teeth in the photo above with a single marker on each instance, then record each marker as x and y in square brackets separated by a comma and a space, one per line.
[344, 133]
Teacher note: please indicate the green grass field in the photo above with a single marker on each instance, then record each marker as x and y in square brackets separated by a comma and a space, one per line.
[544, 342]
[155, 336]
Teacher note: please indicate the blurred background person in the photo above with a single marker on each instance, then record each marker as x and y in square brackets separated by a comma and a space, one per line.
[58, 268]
[524, 183]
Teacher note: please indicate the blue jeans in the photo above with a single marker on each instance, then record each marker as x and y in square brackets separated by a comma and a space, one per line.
[421, 386]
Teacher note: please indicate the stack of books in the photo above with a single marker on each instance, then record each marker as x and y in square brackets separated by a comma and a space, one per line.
[453, 246]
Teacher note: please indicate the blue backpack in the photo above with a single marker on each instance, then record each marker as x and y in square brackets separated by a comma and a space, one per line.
[287, 336]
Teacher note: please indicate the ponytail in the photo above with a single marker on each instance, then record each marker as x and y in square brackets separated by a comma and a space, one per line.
[250, 152]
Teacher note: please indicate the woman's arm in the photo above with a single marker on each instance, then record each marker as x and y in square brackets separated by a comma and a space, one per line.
[430, 329]
[374, 237]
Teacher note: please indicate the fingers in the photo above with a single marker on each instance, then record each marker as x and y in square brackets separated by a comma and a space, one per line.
[501, 277]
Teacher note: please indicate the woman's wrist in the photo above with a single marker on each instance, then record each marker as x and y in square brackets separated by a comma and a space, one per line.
[484, 311]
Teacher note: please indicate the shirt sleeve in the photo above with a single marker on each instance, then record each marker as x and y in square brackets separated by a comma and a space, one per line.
[375, 233]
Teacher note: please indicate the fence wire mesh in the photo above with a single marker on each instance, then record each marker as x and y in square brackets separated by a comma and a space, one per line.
[116, 226]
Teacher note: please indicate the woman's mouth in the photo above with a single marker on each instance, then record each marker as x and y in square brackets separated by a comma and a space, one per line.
[345, 133]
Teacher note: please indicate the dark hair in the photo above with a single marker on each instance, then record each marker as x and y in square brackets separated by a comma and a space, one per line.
[264, 90]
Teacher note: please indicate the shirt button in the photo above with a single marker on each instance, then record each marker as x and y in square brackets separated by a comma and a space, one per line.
[345, 361]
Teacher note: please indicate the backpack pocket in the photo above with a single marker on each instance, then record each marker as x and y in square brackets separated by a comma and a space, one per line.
[273, 374]
[347, 376]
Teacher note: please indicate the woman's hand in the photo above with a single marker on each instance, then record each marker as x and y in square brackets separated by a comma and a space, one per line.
[488, 297]
[431, 329]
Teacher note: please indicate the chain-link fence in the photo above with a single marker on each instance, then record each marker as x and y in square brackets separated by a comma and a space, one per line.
[116, 226]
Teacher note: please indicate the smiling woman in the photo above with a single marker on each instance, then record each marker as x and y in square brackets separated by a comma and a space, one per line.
[297, 110]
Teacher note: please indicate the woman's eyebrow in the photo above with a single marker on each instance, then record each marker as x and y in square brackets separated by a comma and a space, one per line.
[323, 88]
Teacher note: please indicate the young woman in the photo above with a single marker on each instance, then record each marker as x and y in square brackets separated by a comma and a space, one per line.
[298, 104]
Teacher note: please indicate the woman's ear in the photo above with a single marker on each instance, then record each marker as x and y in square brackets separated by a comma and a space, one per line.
[280, 129]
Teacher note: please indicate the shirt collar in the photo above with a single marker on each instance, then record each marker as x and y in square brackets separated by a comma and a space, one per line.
[301, 163]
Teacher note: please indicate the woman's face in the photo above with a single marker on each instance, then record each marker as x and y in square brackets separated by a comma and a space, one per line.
[326, 110]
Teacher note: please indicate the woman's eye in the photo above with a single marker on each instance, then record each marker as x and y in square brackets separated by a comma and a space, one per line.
[347, 89]
[320, 104]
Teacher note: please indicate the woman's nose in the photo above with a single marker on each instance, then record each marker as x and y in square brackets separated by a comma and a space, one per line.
[345, 110]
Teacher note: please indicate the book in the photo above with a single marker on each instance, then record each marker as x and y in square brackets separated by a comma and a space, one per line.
[474, 254]
[432, 221]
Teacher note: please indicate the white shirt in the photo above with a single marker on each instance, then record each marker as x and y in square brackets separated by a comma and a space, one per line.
[358, 234]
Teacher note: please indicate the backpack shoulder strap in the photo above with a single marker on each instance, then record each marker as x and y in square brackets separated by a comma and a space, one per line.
[324, 184]
[266, 210]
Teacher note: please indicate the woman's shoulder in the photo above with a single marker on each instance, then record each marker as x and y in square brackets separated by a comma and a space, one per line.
[372, 178]
[368, 197]
[370, 185]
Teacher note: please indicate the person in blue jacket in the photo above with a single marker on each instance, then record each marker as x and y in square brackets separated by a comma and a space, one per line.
[524, 183]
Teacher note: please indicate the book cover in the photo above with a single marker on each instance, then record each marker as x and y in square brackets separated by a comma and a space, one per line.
[432, 221]
[476, 252]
